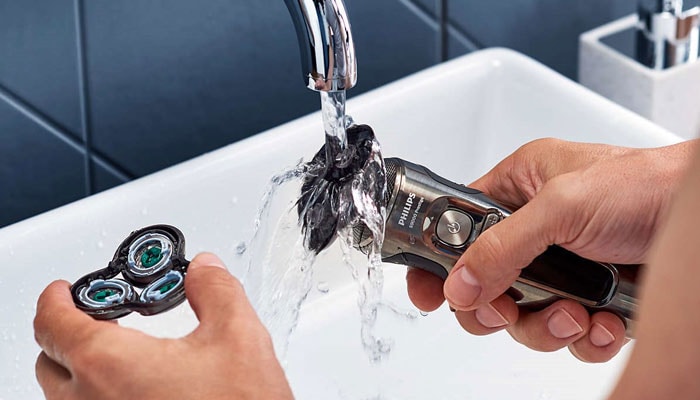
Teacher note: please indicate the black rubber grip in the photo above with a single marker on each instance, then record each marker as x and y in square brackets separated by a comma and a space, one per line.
[563, 271]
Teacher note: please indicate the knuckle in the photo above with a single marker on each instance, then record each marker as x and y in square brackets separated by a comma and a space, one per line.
[539, 146]
[490, 260]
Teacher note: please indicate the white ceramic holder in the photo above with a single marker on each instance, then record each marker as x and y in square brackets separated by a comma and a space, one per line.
[670, 97]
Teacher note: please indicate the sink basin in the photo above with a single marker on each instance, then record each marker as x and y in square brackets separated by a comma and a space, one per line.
[458, 118]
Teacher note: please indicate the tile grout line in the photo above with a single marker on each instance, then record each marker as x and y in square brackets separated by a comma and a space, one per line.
[28, 111]
[443, 39]
[36, 116]
[462, 36]
[421, 13]
[83, 92]
[110, 166]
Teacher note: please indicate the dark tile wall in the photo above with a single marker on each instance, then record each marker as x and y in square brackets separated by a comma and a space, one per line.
[38, 58]
[38, 170]
[208, 73]
[546, 30]
[94, 93]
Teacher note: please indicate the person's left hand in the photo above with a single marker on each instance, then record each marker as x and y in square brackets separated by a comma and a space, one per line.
[229, 355]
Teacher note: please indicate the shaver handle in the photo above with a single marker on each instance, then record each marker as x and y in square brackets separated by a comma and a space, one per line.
[558, 273]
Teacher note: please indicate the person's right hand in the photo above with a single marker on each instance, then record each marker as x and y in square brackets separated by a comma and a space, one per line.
[599, 201]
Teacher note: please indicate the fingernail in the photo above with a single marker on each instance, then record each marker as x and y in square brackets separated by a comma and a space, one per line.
[207, 260]
[462, 288]
[488, 316]
[600, 336]
[562, 325]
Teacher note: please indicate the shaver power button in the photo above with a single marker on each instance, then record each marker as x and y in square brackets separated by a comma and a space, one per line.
[454, 228]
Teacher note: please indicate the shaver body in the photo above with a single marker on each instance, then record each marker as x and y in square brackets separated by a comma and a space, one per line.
[432, 221]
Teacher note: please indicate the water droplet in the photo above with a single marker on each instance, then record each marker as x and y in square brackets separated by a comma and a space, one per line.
[241, 248]
[100, 244]
[323, 287]
[545, 395]
[82, 253]
[234, 200]
[349, 121]
[144, 211]
[104, 233]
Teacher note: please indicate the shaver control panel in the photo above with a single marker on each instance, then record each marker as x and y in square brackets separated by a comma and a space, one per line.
[455, 228]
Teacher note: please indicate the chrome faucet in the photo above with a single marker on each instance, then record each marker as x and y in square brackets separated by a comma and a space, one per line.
[325, 43]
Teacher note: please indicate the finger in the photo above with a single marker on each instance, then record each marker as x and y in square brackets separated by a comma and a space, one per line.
[492, 263]
[424, 289]
[489, 318]
[553, 328]
[52, 377]
[605, 339]
[217, 297]
[518, 177]
[59, 327]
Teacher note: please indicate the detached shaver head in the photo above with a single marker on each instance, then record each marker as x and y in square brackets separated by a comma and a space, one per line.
[431, 221]
[146, 275]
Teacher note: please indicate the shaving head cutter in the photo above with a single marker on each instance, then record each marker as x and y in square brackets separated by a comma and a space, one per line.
[146, 275]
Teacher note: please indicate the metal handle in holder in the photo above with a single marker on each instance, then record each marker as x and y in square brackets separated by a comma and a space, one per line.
[668, 33]
[146, 275]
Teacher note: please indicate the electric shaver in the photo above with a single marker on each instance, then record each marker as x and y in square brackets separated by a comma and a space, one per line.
[431, 221]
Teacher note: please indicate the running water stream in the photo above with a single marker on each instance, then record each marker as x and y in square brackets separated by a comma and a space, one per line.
[343, 185]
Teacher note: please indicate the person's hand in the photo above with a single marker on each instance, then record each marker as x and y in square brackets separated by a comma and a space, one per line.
[228, 356]
[601, 202]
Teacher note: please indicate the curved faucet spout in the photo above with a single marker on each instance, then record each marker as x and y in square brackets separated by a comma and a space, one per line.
[325, 43]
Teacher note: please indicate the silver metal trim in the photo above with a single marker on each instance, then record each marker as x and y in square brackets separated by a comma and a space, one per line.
[126, 293]
[135, 267]
[151, 293]
[667, 35]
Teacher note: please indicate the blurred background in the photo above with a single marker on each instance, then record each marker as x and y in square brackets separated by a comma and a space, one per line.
[95, 93]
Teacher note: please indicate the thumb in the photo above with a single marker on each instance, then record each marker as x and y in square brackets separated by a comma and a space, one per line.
[493, 262]
[217, 297]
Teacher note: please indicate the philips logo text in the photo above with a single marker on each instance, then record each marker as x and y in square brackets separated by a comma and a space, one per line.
[406, 209]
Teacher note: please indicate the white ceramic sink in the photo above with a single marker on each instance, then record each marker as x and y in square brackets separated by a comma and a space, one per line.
[458, 118]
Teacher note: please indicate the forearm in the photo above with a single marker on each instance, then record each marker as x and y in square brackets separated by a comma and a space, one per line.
[665, 362]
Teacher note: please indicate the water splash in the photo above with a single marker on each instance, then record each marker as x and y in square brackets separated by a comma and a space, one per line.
[353, 194]
[334, 124]
[262, 215]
